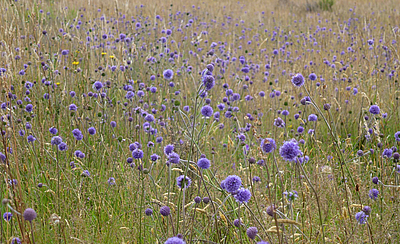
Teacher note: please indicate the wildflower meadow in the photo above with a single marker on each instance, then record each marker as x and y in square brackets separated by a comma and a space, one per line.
[199, 121]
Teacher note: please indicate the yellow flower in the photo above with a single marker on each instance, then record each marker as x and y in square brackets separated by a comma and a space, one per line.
[75, 62]
[135, 81]
[112, 56]
[103, 53]
[58, 83]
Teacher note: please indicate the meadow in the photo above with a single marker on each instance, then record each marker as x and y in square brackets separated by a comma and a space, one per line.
[199, 121]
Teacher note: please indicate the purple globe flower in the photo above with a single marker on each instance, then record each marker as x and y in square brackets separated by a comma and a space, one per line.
[232, 183]
[77, 134]
[374, 109]
[373, 194]
[208, 82]
[203, 163]
[243, 195]
[165, 211]
[207, 111]
[312, 117]
[7, 216]
[312, 76]
[168, 149]
[268, 145]
[183, 181]
[29, 214]
[168, 74]
[73, 107]
[387, 152]
[252, 232]
[53, 130]
[174, 240]
[361, 217]
[62, 146]
[16, 240]
[97, 86]
[298, 80]
[137, 153]
[367, 210]
[92, 130]
[148, 211]
[290, 150]
[56, 140]
[397, 136]
[173, 157]
[278, 122]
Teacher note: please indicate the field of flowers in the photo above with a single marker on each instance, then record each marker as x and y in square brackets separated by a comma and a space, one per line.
[199, 122]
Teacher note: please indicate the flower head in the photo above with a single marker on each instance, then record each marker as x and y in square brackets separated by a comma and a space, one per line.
[373, 194]
[298, 80]
[290, 150]
[232, 183]
[243, 195]
[168, 74]
[374, 109]
[268, 145]
[207, 111]
[183, 181]
[252, 232]
[361, 217]
[29, 214]
[174, 240]
[203, 163]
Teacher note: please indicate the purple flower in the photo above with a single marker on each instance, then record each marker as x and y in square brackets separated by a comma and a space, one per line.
[53, 130]
[29, 214]
[173, 157]
[7, 216]
[312, 117]
[312, 76]
[168, 74]
[168, 149]
[92, 130]
[97, 86]
[77, 134]
[207, 111]
[31, 138]
[290, 150]
[278, 122]
[183, 181]
[174, 240]
[208, 82]
[361, 217]
[387, 152]
[298, 80]
[203, 163]
[56, 140]
[73, 107]
[165, 211]
[374, 109]
[232, 183]
[397, 136]
[148, 211]
[367, 210]
[373, 194]
[243, 195]
[291, 195]
[268, 145]
[137, 153]
[62, 146]
[252, 232]
[29, 108]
